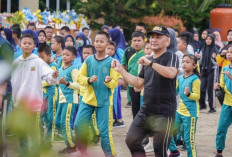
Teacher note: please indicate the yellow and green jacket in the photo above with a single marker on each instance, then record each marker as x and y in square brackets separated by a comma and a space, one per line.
[68, 94]
[189, 105]
[47, 88]
[226, 85]
[98, 93]
[221, 60]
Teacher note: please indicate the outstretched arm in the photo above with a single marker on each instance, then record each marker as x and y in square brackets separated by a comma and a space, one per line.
[134, 81]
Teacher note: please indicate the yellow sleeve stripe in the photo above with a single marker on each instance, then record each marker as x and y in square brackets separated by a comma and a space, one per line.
[114, 82]
[196, 86]
[74, 85]
[82, 78]
[53, 68]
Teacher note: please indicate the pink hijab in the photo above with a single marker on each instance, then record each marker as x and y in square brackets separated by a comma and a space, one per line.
[218, 40]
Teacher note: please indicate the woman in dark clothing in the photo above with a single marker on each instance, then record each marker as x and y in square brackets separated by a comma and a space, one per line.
[208, 72]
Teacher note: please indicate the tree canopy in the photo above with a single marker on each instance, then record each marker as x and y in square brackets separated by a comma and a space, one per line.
[193, 13]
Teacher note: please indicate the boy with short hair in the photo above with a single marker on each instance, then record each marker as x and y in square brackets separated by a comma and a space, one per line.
[50, 96]
[49, 32]
[182, 44]
[68, 98]
[129, 62]
[87, 51]
[31, 26]
[57, 45]
[27, 86]
[16, 33]
[86, 31]
[65, 30]
[117, 112]
[100, 81]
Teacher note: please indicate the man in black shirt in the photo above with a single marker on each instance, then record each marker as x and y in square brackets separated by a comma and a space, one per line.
[158, 77]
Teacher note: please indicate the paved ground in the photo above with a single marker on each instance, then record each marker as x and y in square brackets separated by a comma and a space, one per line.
[205, 137]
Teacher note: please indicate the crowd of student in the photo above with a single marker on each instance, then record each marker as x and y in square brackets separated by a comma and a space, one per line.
[68, 84]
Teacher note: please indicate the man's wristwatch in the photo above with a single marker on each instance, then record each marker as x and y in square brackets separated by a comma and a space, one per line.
[152, 61]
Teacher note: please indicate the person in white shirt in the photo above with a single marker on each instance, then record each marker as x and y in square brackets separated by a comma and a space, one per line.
[26, 79]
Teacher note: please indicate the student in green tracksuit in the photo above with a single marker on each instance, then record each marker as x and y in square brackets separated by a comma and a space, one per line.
[68, 98]
[188, 86]
[50, 96]
[100, 81]
[226, 111]
[87, 51]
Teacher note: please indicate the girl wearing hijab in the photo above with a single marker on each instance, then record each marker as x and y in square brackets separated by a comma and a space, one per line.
[208, 72]
[218, 40]
[7, 34]
[203, 37]
[41, 37]
[32, 33]
[105, 28]
[117, 37]
[80, 43]
[69, 41]
[221, 59]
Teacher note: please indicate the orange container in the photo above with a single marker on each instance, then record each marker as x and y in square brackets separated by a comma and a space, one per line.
[221, 21]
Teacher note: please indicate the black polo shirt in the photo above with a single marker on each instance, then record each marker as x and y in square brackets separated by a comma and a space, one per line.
[160, 92]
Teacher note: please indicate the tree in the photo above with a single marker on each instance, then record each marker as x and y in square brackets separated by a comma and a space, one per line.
[115, 12]
[190, 12]
[206, 3]
[194, 13]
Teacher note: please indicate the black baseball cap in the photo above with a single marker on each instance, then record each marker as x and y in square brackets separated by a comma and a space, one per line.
[159, 30]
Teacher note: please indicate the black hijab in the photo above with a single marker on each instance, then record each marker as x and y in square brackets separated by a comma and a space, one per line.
[207, 52]
[202, 41]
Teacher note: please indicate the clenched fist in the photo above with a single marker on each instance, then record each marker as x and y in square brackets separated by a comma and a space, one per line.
[216, 86]
[144, 61]
[93, 79]
[107, 79]
[63, 81]
[116, 65]
[55, 74]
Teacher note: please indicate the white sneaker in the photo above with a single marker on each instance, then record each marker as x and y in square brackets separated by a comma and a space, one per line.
[149, 147]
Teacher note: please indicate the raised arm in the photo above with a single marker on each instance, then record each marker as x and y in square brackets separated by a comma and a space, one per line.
[44, 83]
[165, 71]
[74, 85]
[134, 81]
[48, 74]
[168, 72]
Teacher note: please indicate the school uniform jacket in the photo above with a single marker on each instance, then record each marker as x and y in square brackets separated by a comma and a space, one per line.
[226, 85]
[189, 105]
[98, 93]
[68, 94]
